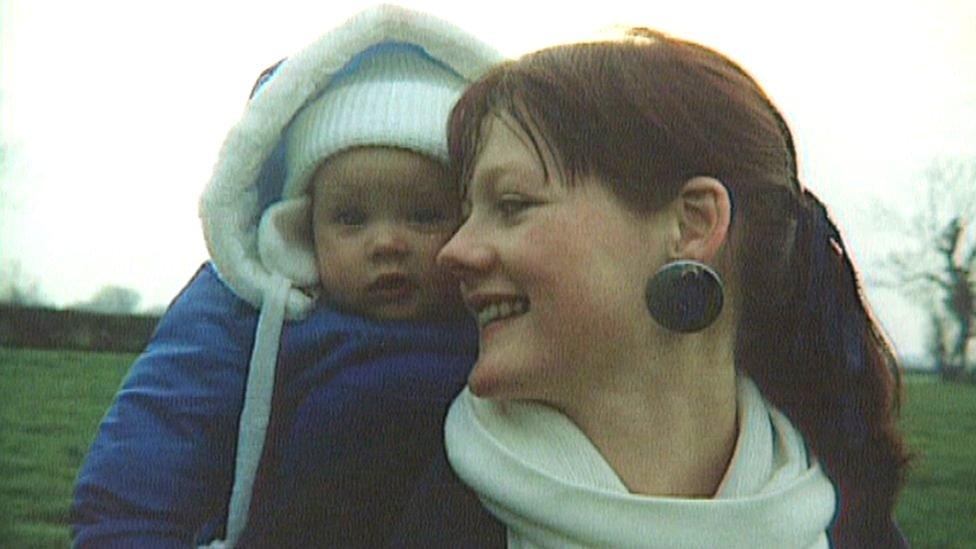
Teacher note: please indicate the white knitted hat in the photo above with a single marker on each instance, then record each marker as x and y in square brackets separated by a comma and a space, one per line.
[390, 95]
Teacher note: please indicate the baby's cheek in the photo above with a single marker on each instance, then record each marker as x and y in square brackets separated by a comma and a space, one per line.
[443, 288]
[429, 249]
[446, 292]
[447, 285]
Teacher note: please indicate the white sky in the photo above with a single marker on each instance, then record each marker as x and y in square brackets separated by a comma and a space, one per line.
[114, 111]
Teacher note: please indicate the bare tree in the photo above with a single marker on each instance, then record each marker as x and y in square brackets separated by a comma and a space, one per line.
[18, 288]
[112, 300]
[936, 264]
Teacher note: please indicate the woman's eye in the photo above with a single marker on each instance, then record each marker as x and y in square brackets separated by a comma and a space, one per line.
[510, 206]
[349, 217]
[427, 216]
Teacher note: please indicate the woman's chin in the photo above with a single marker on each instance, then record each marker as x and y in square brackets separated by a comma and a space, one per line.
[481, 385]
[488, 380]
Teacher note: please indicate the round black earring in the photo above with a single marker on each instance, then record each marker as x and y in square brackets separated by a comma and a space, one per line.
[684, 296]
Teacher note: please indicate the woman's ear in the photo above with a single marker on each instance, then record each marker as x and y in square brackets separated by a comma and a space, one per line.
[704, 212]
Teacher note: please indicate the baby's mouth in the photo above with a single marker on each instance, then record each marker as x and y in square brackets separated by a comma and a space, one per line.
[392, 287]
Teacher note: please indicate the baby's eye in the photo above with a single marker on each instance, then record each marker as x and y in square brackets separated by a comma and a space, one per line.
[427, 216]
[350, 217]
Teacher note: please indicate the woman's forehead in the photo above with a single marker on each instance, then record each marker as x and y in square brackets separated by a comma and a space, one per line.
[508, 147]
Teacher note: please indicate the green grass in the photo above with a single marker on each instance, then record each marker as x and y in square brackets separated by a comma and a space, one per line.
[51, 403]
[938, 506]
[50, 407]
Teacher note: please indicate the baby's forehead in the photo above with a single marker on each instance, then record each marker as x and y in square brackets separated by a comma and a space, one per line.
[362, 188]
[375, 164]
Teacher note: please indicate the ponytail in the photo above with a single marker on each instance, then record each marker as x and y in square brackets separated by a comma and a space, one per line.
[837, 378]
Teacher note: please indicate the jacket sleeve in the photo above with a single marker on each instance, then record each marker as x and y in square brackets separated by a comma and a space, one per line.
[161, 466]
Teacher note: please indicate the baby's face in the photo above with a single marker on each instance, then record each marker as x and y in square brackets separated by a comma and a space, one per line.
[379, 217]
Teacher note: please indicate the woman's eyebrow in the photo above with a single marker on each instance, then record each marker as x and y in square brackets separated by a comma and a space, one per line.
[489, 178]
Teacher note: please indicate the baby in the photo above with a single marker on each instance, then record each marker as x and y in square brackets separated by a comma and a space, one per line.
[306, 369]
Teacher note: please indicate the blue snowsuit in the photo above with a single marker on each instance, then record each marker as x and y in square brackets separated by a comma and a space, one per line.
[357, 420]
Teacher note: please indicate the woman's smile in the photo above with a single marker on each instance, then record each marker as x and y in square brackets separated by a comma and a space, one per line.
[488, 309]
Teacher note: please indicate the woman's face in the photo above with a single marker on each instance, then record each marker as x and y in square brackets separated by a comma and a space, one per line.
[555, 274]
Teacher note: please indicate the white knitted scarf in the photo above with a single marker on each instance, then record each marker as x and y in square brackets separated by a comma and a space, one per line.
[535, 471]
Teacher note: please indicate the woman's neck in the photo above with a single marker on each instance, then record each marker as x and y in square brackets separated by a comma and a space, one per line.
[671, 429]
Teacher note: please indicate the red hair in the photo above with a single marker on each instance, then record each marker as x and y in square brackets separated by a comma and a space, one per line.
[647, 113]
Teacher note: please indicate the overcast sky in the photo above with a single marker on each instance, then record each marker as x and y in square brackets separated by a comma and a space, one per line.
[113, 112]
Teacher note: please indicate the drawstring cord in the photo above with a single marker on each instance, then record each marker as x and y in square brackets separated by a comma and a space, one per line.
[256, 412]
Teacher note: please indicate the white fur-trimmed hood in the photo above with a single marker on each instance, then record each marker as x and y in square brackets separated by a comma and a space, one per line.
[234, 199]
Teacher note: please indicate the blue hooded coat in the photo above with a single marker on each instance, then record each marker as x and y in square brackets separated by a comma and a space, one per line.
[357, 419]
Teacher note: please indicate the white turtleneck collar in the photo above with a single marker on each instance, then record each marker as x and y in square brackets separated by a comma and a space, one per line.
[534, 470]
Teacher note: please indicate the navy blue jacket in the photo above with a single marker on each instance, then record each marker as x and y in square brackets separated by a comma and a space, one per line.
[356, 427]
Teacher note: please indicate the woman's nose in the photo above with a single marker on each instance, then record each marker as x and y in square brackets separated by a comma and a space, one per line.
[465, 254]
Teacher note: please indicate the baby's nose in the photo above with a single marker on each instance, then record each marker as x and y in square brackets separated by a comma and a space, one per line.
[389, 241]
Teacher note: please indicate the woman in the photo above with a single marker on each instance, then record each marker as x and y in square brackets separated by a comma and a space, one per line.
[674, 350]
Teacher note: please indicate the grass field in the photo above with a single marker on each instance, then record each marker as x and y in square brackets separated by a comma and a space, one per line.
[938, 506]
[52, 402]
